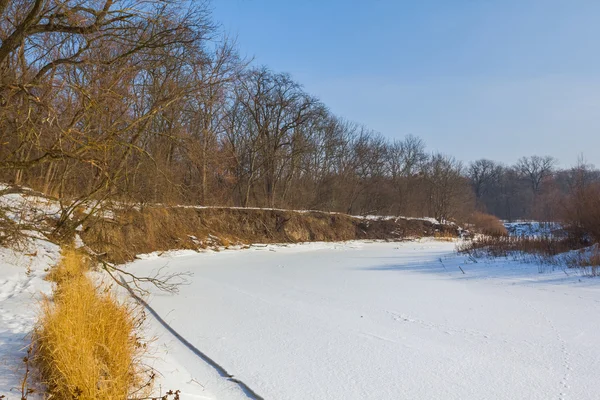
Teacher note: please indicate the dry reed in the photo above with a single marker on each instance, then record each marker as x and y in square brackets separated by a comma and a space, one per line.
[85, 343]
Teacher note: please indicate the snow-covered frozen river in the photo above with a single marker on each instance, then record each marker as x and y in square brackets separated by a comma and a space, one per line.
[376, 321]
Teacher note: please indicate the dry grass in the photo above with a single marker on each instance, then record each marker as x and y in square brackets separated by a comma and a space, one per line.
[587, 260]
[503, 246]
[559, 249]
[581, 213]
[487, 224]
[73, 266]
[444, 236]
[85, 346]
[157, 228]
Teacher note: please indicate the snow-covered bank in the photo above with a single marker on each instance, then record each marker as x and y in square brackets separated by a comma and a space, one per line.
[532, 228]
[376, 321]
[21, 285]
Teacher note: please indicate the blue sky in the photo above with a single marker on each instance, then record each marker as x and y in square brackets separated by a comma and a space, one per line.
[474, 78]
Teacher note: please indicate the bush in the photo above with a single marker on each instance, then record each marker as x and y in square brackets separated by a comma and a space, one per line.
[582, 214]
[85, 347]
[588, 260]
[502, 246]
[487, 224]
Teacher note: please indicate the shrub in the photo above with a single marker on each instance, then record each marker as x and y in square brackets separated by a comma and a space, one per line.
[582, 214]
[542, 249]
[588, 260]
[502, 246]
[85, 346]
[487, 224]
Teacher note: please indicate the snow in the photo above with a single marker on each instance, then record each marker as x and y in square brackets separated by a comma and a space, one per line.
[532, 228]
[354, 320]
[21, 287]
[374, 321]
[396, 218]
[369, 217]
[26, 207]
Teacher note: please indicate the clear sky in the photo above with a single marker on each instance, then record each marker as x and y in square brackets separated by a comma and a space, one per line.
[495, 79]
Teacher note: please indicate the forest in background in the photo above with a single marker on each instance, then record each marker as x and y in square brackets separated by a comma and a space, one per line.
[148, 102]
[120, 108]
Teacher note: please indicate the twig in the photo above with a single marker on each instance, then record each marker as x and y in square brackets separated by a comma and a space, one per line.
[166, 283]
[441, 262]
[25, 391]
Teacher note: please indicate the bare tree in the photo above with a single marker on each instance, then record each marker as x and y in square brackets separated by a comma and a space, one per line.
[483, 175]
[214, 78]
[535, 170]
[82, 88]
[142, 100]
[446, 187]
[406, 159]
[278, 108]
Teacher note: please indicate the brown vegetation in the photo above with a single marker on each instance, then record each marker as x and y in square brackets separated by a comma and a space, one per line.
[588, 260]
[577, 207]
[137, 101]
[503, 246]
[150, 229]
[486, 224]
[134, 102]
[84, 345]
[581, 207]
[565, 251]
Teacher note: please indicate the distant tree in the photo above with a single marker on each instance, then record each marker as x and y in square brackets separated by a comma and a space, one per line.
[446, 186]
[535, 170]
[278, 109]
[484, 174]
[406, 159]
[581, 205]
[214, 77]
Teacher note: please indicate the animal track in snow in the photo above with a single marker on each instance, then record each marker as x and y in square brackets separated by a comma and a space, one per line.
[566, 355]
[12, 288]
[449, 330]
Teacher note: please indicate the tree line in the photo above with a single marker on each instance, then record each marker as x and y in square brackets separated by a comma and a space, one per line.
[146, 101]
[532, 188]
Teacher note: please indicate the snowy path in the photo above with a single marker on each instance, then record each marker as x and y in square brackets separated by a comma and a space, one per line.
[21, 284]
[378, 321]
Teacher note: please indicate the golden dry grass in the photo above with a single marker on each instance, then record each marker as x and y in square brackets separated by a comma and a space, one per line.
[161, 228]
[444, 236]
[503, 246]
[487, 224]
[73, 265]
[85, 343]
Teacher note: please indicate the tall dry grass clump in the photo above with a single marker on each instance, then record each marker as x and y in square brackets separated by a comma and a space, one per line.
[160, 228]
[503, 246]
[85, 343]
[581, 213]
[487, 224]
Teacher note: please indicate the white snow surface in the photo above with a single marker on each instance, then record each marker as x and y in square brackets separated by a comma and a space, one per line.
[532, 228]
[28, 208]
[375, 321]
[21, 287]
